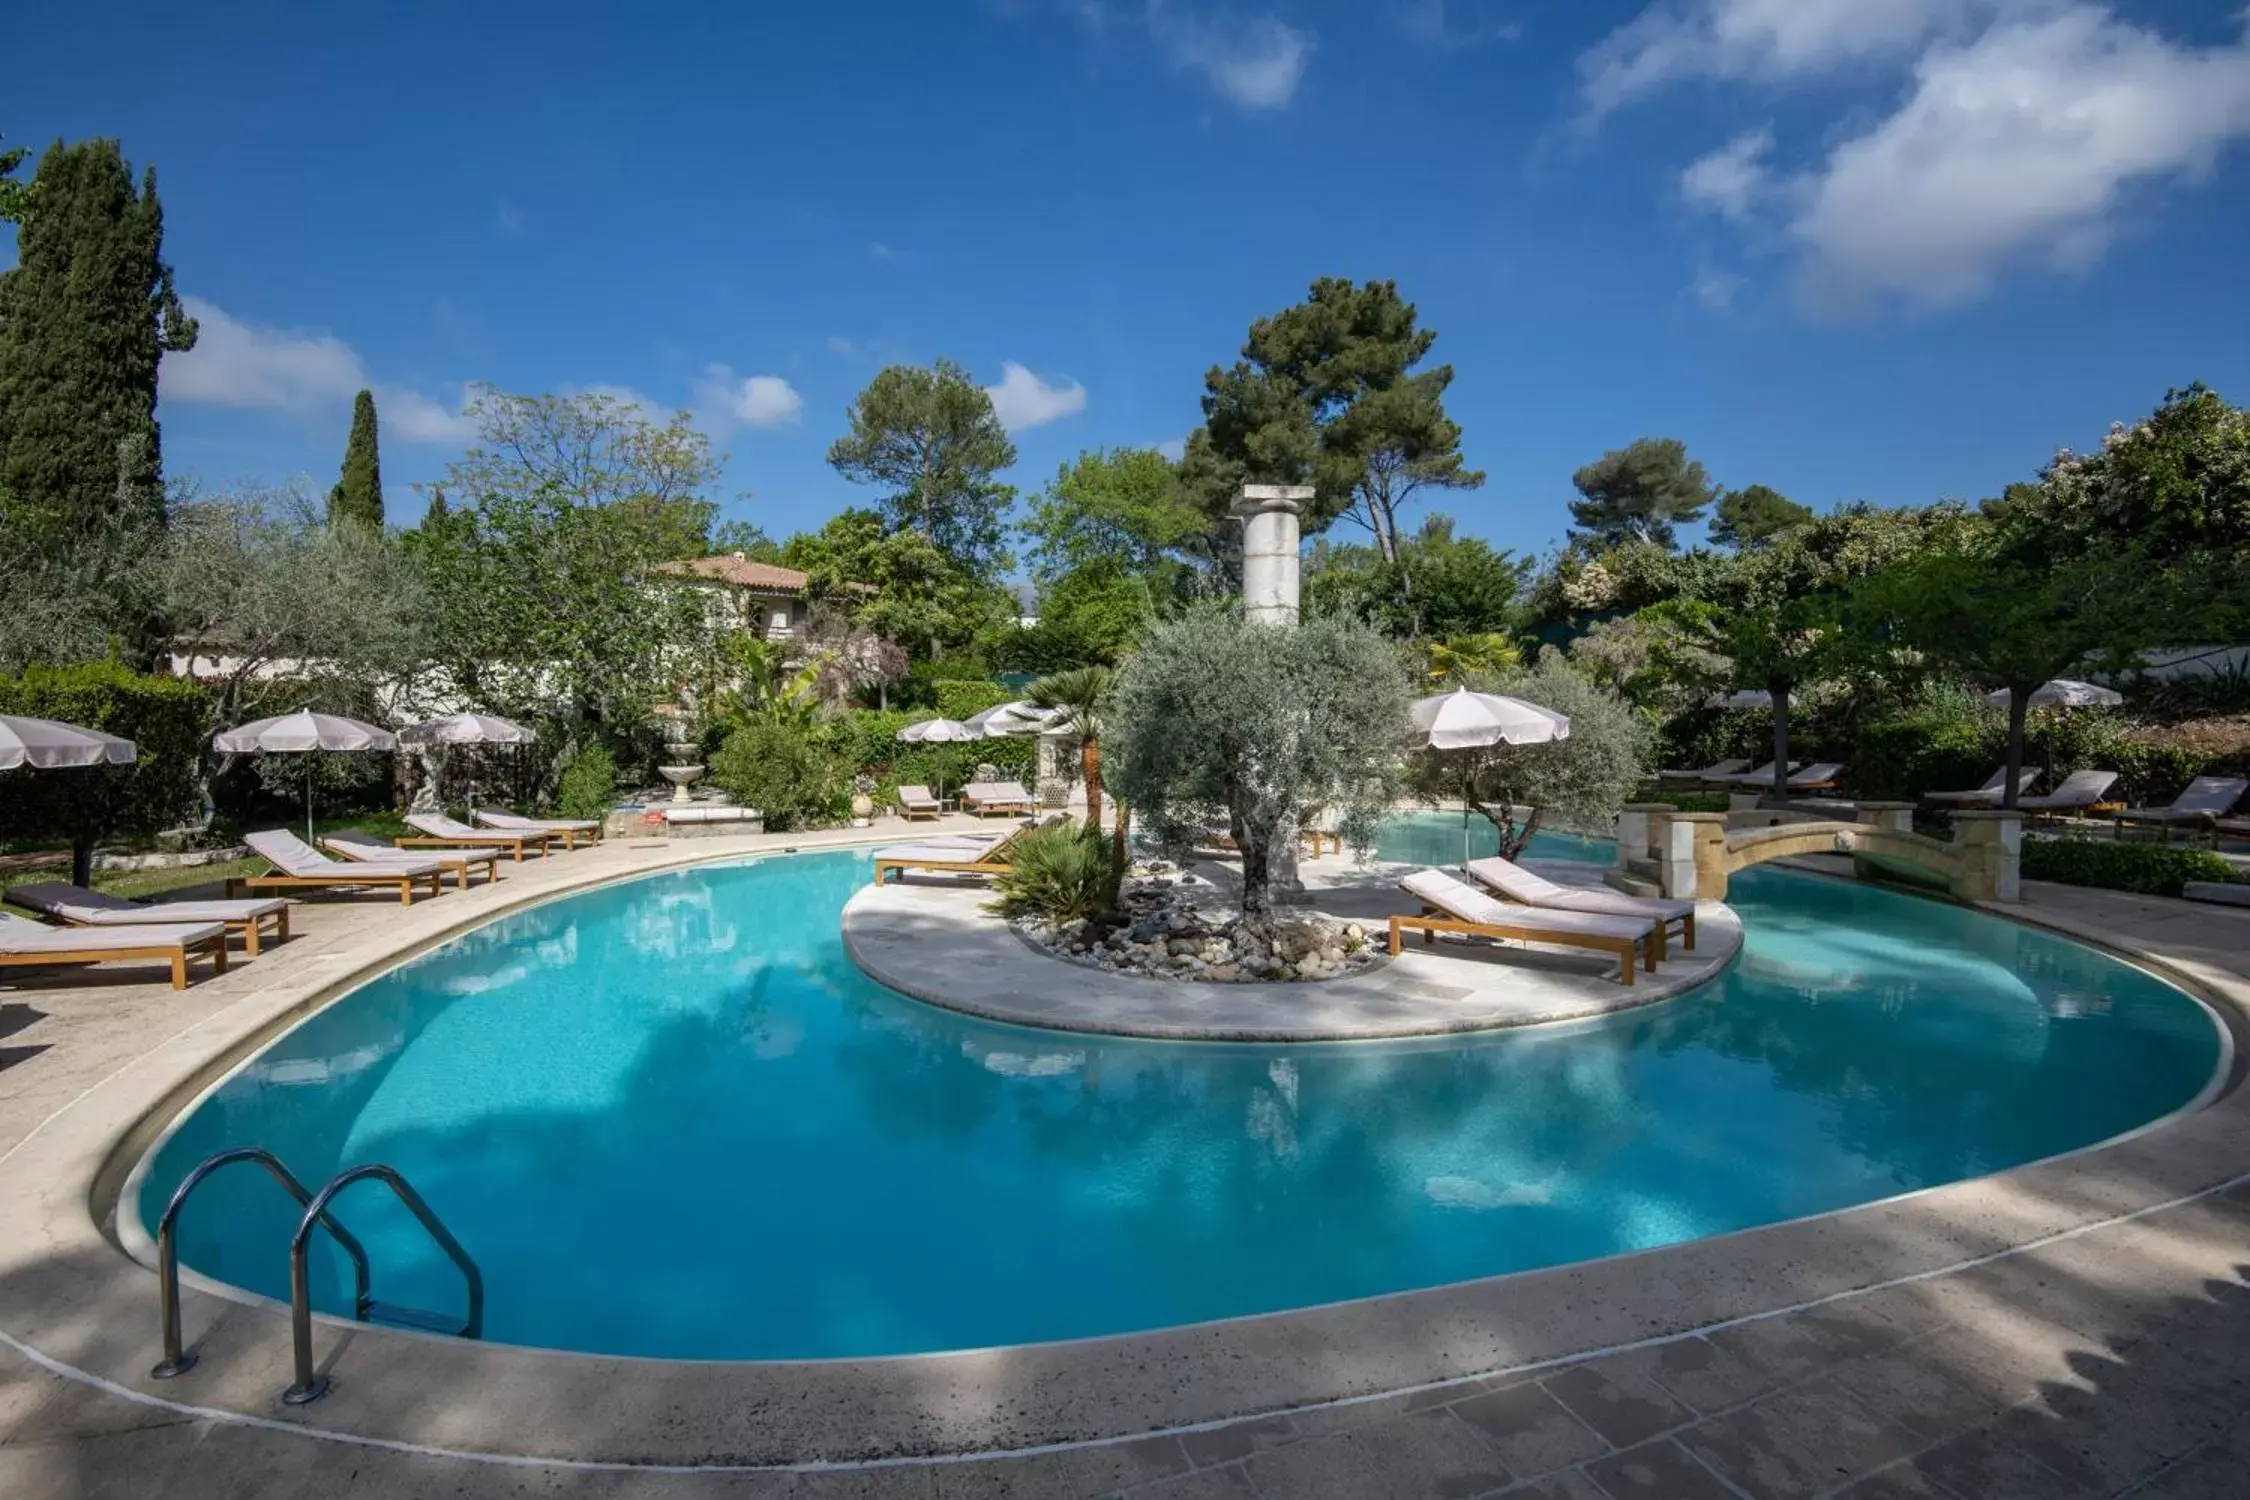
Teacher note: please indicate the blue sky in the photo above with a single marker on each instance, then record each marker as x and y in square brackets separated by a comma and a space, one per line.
[1891, 251]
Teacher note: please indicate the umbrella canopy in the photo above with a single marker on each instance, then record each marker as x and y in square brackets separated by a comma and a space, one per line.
[1018, 717]
[939, 732]
[1747, 698]
[303, 730]
[467, 729]
[51, 745]
[2063, 692]
[1462, 720]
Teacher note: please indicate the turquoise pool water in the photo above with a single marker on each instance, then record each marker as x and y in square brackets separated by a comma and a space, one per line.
[671, 1118]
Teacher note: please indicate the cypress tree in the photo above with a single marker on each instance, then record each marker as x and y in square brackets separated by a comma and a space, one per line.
[358, 495]
[85, 316]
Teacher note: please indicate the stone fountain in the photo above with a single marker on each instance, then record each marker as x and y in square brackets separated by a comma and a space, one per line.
[679, 744]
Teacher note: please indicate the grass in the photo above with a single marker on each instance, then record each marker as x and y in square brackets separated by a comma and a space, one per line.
[136, 885]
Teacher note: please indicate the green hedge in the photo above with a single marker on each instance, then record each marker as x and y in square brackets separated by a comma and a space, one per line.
[167, 718]
[2110, 865]
[867, 741]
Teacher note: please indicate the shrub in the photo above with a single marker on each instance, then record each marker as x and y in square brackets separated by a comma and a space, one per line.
[963, 700]
[1064, 872]
[588, 783]
[867, 741]
[165, 717]
[1688, 802]
[2143, 869]
[785, 772]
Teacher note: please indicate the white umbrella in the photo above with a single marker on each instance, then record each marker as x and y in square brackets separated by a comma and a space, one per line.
[51, 745]
[1747, 698]
[1462, 720]
[1018, 717]
[939, 732]
[304, 730]
[464, 729]
[467, 729]
[2063, 692]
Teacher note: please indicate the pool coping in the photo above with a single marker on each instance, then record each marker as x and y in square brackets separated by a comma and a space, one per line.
[72, 1302]
[932, 940]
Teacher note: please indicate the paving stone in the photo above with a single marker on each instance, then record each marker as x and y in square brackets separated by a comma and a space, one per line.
[1039, 1478]
[1570, 1484]
[1430, 1455]
[1116, 1466]
[1707, 1378]
[1798, 1346]
[895, 1483]
[1236, 1440]
[1985, 1466]
[1656, 1471]
[1905, 1388]
[1227, 1483]
[1621, 1407]
[1797, 1444]
[1898, 1482]
[1533, 1432]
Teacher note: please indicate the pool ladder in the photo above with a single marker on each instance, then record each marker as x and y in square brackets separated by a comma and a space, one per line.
[310, 1385]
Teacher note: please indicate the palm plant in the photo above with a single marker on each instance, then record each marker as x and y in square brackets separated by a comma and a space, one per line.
[1078, 701]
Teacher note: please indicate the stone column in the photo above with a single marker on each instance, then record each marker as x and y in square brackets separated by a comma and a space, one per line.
[1695, 863]
[1991, 845]
[1636, 831]
[1272, 517]
[1896, 816]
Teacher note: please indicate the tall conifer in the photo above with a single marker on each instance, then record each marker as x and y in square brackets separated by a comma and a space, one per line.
[358, 495]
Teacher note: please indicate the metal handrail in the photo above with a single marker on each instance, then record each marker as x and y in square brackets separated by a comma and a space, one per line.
[309, 1386]
[177, 1361]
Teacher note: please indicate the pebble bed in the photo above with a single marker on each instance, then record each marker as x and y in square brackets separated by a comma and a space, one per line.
[1175, 925]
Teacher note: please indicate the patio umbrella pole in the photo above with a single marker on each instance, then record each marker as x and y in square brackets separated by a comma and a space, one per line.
[308, 799]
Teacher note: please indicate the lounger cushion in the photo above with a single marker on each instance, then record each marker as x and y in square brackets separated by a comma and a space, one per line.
[20, 936]
[2079, 789]
[293, 856]
[957, 854]
[439, 826]
[1438, 889]
[1520, 884]
[516, 821]
[366, 849]
[96, 908]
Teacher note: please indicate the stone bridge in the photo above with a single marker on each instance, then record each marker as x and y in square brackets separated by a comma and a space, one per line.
[1694, 854]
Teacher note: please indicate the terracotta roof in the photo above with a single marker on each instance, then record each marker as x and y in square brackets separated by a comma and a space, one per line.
[738, 570]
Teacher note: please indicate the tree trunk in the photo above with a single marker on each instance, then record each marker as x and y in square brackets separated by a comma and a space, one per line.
[2019, 710]
[82, 861]
[1780, 691]
[1090, 766]
[1257, 877]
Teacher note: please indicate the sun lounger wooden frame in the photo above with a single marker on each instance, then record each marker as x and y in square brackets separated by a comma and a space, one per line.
[569, 836]
[1660, 940]
[491, 838]
[344, 878]
[978, 862]
[1434, 920]
[1016, 806]
[177, 954]
[251, 928]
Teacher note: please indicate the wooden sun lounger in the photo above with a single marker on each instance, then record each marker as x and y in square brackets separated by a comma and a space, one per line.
[1521, 924]
[313, 870]
[916, 802]
[1512, 882]
[82, 908]
[462, 862]
[172, 944]
[444, 833]
[987, 797]
[569, 830]
[940, 859]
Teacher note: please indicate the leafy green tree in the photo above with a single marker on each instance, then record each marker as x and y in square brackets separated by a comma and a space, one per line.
[14, 196]
[784, 771]
[1122, 508]
[759, 683]
[85, 316]
[1218, 720]
[2173, 484]
[1754, 516]
[1439, 584]
[898, 584]
[1099, 612]
[931, 441]
[357, 499]
[1326, 393]
[1586, 778]
[1642, 492]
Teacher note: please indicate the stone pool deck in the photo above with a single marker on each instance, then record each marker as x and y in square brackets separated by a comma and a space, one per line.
[2077, 1327]
[929, 936]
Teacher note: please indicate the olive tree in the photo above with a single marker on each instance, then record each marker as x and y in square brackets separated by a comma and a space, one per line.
[1586, 777]
[1217, 720]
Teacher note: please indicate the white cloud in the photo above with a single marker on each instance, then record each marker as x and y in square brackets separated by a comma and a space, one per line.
[1733, 179]
[725, 399]
[1716, 289]
[1254, 63]
[1023, 400]
[1769, 40]
[301, 372]
[1440, 23]
[2019, 145]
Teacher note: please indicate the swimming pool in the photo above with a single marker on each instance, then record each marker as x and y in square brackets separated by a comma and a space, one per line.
[670, 1118]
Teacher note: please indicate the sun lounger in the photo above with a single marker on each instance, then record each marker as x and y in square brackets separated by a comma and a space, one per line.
[1763, 776]
[437, 831]
[2206, 800]
[366, 849]
[2080, 790]
[941, 857]
[569, 830]
[1450, 906]
[1709, 773]
[83, 908]
[1988, 795]
[916, 802]
[1512, 882]
[986, 797]
[27, 942]
[298, 864]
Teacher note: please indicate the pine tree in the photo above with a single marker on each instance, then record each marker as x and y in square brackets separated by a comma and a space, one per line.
[85, 316]
[358, 495]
